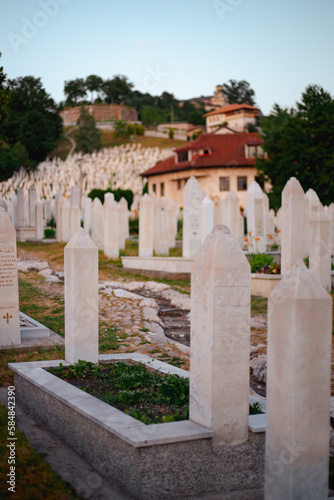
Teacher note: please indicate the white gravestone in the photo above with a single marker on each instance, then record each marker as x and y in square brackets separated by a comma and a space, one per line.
[111, 229]
[32, 201]
[206, 218]
[9, 292]
[87, 214]
[192, 197]
[331, 218]
[298, 388]
[97, 223]
[39, 221]
[320, 251]
[293, 222]
[75, 196]
[20, 209]
[75, 222]
[220, 333]
[81, 299]
[146, 221]
[256, 220]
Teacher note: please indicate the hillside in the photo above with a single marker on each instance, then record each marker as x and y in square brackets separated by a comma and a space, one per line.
[63, 146]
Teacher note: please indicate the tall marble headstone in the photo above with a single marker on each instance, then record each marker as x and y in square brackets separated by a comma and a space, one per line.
[220, 332]
[32, 201]
[293, 222]
[111, 229]
[298, 388]
[9, 292]
[75, 222]
[21, 215]
[256, 217]
[97, 223]
[81, 299]
[320, 247]
[75, 195]
[206, 218]
[192, 197]
[146, 221]
[39, 221]
[87, 214]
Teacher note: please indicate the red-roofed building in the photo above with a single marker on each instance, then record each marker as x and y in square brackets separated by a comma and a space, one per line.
[219, 163]
[231, 118]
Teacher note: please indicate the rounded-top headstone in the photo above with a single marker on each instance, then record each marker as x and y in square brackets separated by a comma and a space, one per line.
[220, 229]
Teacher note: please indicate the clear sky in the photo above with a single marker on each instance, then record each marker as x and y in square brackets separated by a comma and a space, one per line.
[185, 47]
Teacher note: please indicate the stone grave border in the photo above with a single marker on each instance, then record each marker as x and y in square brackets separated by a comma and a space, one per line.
[161, 460]
[37, 330]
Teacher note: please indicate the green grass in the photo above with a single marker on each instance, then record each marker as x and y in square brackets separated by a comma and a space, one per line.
[34, 478]
[45, 308]
[259, 305]
[64, 146]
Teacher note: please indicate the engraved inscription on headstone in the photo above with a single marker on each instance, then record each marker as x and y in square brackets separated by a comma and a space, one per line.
[9, 297]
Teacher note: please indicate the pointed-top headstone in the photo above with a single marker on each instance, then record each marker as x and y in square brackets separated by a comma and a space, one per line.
[9, 295]
[220, 326]
[299, 364]
[81, 298]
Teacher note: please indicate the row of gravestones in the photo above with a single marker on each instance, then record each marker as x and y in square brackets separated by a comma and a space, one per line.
[299, 350]
[120, 166]
[108, 224]
[299, 332]
[157, 225]
[305, 227]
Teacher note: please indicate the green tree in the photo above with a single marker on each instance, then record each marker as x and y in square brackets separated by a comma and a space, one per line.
[118, 89]
[87, 136]
[4, 98]
[300, 143]
[238, 92]
[74, 90]
[93, 84]
[33, 118]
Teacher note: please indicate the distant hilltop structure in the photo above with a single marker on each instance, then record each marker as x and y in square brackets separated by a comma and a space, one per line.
[217, 100]
[100, 112]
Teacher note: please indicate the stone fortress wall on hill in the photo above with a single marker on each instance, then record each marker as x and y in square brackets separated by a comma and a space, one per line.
[100, 112]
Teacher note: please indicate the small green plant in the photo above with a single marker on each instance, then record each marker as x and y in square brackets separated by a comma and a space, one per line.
[171, 133]
[263, 263]
[51, 223]
[255, 408]
[49, 233]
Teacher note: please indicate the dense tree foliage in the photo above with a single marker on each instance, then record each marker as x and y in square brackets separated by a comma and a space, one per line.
[238, 92]
[75, 90]
[4, 97]
[87, 136]
[32, 128]
[152, 110]
[93, 84]
[300, 143]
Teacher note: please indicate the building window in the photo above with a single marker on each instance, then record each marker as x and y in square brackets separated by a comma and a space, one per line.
[179, 184]
[182, 156]
[162, 189]
[154, 187]
[206, 151]
[224, 183]
[242, 183]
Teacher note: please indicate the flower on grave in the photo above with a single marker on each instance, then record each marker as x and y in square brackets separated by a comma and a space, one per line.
[246, 239]
[257, 239]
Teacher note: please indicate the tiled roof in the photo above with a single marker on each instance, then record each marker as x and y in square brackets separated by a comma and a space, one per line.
[226, 150]
[229, 108]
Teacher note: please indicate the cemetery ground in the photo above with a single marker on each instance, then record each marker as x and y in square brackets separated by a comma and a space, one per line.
[44, 302]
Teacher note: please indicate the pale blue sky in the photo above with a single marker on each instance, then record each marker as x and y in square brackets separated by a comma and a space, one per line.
[185, 47]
